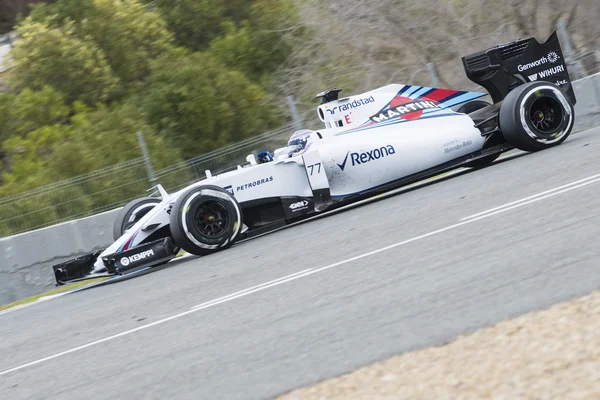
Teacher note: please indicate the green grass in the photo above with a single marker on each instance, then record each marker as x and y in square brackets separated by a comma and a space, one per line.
[50, 292]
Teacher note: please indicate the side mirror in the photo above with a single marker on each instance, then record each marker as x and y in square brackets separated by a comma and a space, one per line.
[251, 159]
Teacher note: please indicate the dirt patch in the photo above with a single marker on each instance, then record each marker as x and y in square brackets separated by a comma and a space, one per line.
[551, 354]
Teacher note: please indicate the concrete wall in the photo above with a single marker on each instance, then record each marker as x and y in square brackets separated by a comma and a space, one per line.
[587, 109]
[5, 47]
[4, 50]
[26, 259]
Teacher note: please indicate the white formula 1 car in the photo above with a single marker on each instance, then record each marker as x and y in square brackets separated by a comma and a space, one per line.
[371, 142]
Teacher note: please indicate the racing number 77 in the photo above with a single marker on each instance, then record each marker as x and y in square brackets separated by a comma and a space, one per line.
[312, 167]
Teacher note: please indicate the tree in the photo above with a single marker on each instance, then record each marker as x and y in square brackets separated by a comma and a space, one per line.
[23, 114]
[201, 105]
[106, 137]
[263, 42]
[56, 57]
[128, 34]
[31, 110]
[195, 23]
[95, 139]
[11, 10]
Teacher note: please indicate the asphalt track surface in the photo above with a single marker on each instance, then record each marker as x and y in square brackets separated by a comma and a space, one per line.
[405, 272]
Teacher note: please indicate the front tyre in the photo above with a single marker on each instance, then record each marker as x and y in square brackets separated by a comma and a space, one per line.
[205, 220]
[536, 116]
[131, 213]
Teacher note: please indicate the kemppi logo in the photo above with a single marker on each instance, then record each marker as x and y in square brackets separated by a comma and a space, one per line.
[125, 261]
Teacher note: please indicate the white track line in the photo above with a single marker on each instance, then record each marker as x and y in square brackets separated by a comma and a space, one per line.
[252, 289]
[539, 196]
[293, 277]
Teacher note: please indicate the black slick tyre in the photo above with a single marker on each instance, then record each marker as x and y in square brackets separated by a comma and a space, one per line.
[536, 116]
[131, 213]
[469, 108]
[205, 219]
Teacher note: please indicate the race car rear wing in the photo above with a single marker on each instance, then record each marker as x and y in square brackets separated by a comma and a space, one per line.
[502, 68]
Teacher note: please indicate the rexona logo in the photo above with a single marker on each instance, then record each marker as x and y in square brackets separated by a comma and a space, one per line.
[405, 108]
[547, 73]
[368, 156]
[301, 205]
[125, 261]
[551, 58]
[350, 105]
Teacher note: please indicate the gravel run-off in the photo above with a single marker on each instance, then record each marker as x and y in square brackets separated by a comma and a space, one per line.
[550, 354]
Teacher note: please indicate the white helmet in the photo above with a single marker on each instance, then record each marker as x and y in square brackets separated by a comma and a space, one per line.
[300, 139]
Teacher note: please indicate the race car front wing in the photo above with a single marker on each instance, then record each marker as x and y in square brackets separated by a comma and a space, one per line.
[144, 255]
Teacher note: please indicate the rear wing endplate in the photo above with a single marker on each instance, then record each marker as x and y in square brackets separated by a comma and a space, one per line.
[502, 68]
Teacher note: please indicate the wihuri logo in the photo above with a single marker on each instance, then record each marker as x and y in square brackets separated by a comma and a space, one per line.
[368, 156]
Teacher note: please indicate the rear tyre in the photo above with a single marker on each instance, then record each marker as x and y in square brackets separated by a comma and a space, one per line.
[536, 116]
[131, 213]
[468, 108]
[205, 220]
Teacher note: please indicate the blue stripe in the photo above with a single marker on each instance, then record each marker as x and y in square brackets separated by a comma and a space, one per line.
[422, 91]
[405, 89]
[449, 98]
[409, 93]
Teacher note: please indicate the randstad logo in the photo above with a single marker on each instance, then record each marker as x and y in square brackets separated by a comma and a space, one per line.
[351, 105]
[368, 156]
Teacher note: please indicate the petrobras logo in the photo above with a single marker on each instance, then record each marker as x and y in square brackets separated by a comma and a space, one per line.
[301, 205]
[349, 105]
[405, 108]
[125, 261]
[248, 185]
[255, 183]
[367, 156]
[546, 73]
[551, 58]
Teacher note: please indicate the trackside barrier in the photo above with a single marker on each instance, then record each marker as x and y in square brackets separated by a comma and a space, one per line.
[26, 259]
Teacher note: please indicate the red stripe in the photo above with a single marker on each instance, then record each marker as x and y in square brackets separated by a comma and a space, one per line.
[128, 242]
[440, 94]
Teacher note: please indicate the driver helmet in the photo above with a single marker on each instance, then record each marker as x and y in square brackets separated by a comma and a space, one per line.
[264, 157]
[300, 139]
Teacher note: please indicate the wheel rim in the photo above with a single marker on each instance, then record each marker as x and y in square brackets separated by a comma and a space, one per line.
[545, 115]
[211, 219]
